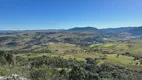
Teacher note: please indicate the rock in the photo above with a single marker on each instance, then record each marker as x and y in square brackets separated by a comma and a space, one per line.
[12, 77]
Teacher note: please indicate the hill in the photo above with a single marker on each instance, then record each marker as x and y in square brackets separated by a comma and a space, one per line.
[91, 53]
[136, 31]
[77, 29]
[116, 30]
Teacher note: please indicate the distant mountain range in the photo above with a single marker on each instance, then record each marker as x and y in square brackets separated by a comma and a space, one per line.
[117, 30]
[131, 30]
[136, 31]
[84, 29]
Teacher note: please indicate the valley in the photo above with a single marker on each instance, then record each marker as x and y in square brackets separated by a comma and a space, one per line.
[59, 54]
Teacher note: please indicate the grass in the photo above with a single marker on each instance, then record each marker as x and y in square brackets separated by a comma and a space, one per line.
[62, 47]
[58, 49]
[123, 61]
[108, 45]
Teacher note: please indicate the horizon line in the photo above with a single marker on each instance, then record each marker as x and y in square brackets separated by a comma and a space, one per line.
[65, 29]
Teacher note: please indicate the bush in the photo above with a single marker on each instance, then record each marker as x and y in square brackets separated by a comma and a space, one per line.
[42, 73]
[3, 71]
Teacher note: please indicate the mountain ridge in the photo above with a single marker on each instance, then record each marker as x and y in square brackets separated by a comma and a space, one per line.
[131, 30]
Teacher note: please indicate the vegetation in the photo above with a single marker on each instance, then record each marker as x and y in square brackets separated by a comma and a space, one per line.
[71, 55]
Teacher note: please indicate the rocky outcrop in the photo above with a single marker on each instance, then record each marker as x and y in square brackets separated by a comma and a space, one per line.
[13, 77]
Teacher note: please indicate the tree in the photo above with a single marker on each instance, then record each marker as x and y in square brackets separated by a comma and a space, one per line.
[76, 74]
[6, 58]
[9, 58]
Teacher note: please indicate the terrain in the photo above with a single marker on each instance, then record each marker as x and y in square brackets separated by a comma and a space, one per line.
[80, 53]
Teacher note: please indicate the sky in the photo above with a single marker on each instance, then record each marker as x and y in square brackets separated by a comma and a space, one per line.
[64, 14]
